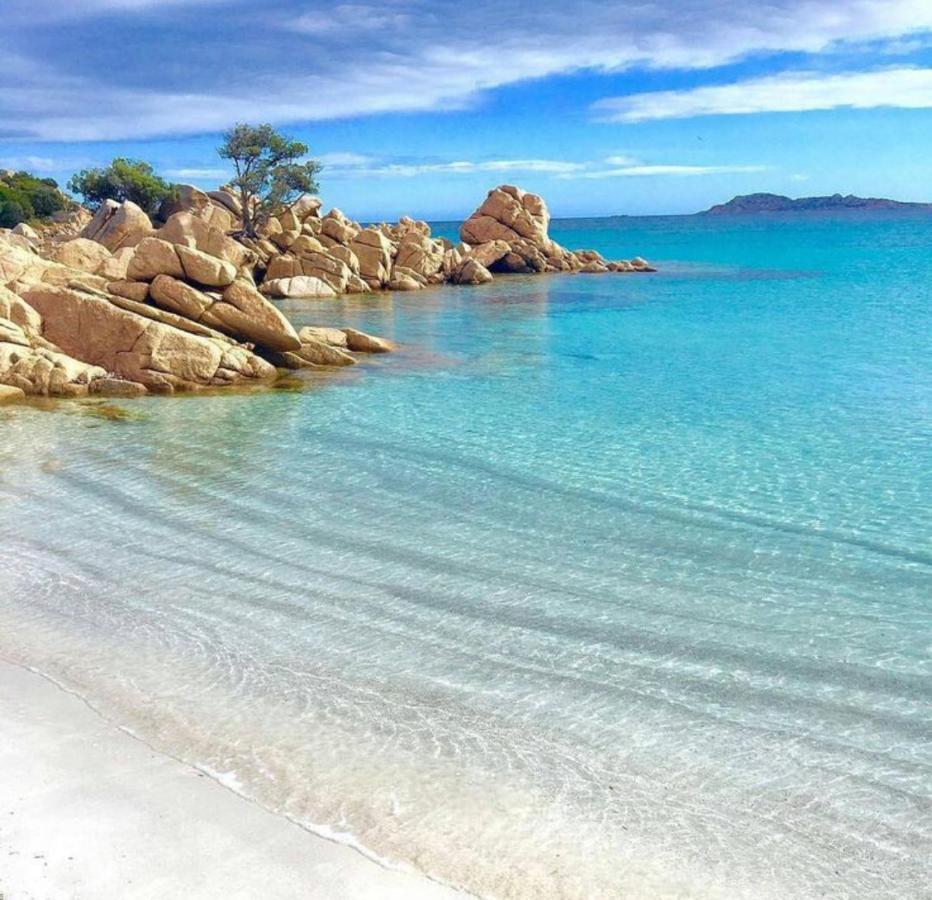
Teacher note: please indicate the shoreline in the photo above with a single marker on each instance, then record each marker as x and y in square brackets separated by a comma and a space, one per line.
[87, 809]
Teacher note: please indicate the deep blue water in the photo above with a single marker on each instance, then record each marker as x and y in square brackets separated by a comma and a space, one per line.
[603, 586]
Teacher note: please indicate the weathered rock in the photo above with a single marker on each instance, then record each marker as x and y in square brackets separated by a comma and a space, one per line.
[305, 207]
[246, 313]
[420, 254]
[508, 214]
[116, 266]
[319, 353]
[28, 232]
[188, 198]
[153, 257]
[12, 239]
[284, 266]
[228, 200]
[116, 387]
[472, 272]
[11, 333]
[178, 297]
[490, 252]
[81, 253]
[10, 394]
[328, 268]
[20, 313]
[241, 312]
[39, 370]
[374, 252]
[117, 225]
[337, 227]
[132, 290]
[298, 286]
[360, 342]
[404, 280]
[205, 269]
[137, 348]
[336, 337]
[187, 229]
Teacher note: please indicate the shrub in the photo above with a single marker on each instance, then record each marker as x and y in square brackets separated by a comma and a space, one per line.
[24, 197]
[123, 179]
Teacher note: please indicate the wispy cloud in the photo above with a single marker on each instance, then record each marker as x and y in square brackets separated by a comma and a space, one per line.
[639, 171]
[198, 174]
[611, 167]
[462, 167]
[342, 160]
[904, 87]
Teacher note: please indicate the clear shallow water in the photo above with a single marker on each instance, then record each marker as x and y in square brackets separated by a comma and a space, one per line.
[604, 587]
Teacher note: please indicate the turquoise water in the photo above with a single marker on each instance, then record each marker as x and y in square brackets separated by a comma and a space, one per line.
[604, 586]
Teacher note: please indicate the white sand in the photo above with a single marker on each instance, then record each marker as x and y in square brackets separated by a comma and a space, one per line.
[88, 812]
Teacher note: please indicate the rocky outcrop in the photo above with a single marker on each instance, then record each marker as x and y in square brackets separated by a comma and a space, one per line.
[240, 311]
[126, 308]
[163, 358]
[509, 232]
[117, 225]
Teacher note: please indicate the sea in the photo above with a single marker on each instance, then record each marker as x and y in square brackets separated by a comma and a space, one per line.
[602, 586]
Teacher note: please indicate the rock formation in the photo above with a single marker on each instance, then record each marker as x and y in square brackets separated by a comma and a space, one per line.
[116, 304]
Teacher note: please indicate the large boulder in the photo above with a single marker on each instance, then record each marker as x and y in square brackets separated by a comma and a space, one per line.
[245, 312]
[420, 254]
[117, 225]
[490, 252]
[327, 267]
[471, 272]
[154, 257]
[90, 327]
[81, 253]
[241, 311]
[187, 229]
[374, 252]
[336, 226]
[204, 268]
[188, 198]
[298, 286]
[360, 342]
[16, 310]
[508, 214]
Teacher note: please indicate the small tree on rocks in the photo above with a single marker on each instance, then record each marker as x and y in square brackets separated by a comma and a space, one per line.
[269, 171]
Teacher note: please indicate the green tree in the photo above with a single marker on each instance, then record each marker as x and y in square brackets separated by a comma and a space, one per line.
[24, 197]
[123, 179]
[269, 173]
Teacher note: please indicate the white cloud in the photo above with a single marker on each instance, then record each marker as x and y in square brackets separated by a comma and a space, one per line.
[32, 13]
[198, 174]
[38, 164]
[611, 167]
[340, 160]
[788, 92]
[636, 171]
[298, 66]
[618, 160]
[459, 167]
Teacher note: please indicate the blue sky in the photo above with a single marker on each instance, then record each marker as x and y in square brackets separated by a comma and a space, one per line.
[420, 106]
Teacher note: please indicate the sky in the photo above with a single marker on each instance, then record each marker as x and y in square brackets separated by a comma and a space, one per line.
[419, 107]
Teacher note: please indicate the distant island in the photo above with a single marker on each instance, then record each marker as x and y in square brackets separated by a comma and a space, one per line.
[750, 204]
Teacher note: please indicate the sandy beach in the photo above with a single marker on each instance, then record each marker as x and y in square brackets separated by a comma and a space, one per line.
[87, 811]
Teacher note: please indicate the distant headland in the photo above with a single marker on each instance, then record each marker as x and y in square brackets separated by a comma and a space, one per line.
[751, 204]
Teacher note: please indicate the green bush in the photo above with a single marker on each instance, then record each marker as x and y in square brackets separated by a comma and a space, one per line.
[24, 197]
[123, 179]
